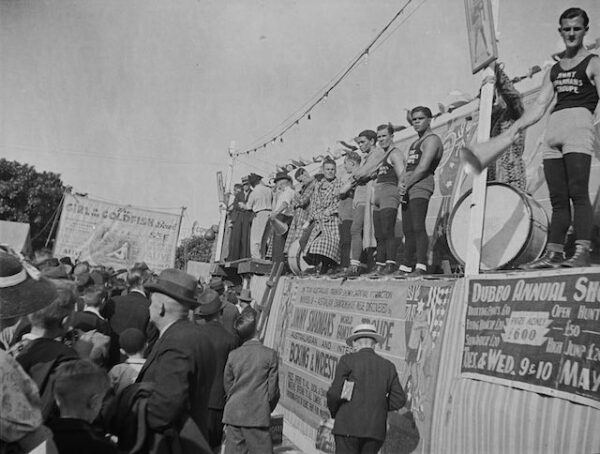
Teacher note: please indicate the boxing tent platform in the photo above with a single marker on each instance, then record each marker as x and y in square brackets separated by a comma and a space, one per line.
[495, 363]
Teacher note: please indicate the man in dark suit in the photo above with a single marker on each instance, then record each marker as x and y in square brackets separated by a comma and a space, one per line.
[131, 310]
[375, 391]
[181, 365]
[208, 317]
[252, 388]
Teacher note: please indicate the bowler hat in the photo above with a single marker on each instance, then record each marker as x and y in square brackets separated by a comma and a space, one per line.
[245, 295]
[177, 284]
[23, 290]
[216, 283]
[364, 330]
[282, 176]
[210, 303]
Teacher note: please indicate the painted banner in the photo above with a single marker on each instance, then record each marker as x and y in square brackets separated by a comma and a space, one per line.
[537, 332]
[116, 235]
[317, 315]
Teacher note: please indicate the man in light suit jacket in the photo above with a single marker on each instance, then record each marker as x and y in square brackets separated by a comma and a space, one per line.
[181, 365]
[252, 389]
[361, 415]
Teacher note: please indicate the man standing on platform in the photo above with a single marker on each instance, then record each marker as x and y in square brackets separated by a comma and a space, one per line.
[364, 389]
[423, 158]
[387, 199]
[282, 213]
[259, 201]
[374, 155]
[574, 82]
[322, 237]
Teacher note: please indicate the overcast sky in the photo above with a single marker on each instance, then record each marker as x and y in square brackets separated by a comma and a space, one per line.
[138, 101]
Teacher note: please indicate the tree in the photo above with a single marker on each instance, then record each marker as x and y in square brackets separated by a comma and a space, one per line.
[198, 249]
[27, 195]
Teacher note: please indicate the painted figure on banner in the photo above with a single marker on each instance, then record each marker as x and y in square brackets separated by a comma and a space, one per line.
[482, 40]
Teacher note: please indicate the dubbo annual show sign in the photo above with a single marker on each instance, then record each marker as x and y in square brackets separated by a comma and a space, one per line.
[539, 333]
[116, 235]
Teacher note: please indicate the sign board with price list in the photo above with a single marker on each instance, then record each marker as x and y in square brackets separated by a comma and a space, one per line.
[537, 332]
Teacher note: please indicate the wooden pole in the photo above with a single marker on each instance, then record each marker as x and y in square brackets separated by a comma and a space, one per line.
[225, 204]
[478, 196]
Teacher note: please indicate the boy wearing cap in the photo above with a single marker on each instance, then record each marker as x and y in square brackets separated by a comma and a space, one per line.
[375, 391]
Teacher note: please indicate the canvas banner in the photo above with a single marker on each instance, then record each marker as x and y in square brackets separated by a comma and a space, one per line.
[316, 317]
[116, 235]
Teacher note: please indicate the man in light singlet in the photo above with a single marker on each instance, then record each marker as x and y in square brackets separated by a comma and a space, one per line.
[423, 158]
[387, 199]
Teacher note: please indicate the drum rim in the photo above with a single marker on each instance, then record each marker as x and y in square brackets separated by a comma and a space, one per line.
[521, 195]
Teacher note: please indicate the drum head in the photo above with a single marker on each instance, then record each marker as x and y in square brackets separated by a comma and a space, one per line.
[295, 260]
[506, 226]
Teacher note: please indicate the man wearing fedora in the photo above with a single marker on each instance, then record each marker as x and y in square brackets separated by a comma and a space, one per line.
[282, 214]
[244, 299]
[364, 384]
[260, 202]
[208, 317]
[181, 365]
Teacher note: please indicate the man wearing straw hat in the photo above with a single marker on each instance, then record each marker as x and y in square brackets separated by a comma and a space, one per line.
[364, 384]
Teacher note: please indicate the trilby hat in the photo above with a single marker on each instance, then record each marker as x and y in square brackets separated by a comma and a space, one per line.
[177, 284]
[210, 303]
[245, 295]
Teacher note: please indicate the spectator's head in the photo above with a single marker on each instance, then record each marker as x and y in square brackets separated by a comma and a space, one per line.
[81, 267]
[366, 140]
[132, 342]
[421, 118]
[282, 180]
[237, 188]
[385, 135]
[302, 175]
[245, 324]
[329, 169]
[364, 335]
[136, 278]
[245, 184]
[216, 284]
[79, 389]
[94, 295]
[173, 296]
[254, 179]
[53, 320]
[351, 161]
[24, 290]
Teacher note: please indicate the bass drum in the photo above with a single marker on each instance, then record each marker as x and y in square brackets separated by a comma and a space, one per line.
[514, 229]
[295, 260]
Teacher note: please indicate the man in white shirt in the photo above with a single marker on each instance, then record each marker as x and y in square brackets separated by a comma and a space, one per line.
[282, 214]
[260, 202]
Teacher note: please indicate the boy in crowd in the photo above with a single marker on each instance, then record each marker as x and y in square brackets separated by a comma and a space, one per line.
[79, 391]
[252, 390]
[133, 345]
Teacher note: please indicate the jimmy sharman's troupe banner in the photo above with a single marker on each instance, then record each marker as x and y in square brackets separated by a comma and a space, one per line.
[116, 235]
[540, 333]
[316, 316]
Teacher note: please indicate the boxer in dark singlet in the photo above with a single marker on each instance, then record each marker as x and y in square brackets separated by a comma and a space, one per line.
[423, 158]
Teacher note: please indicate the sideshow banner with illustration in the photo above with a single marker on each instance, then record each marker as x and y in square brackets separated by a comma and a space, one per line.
[318, 315]
[536, 332]
[116, 235]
